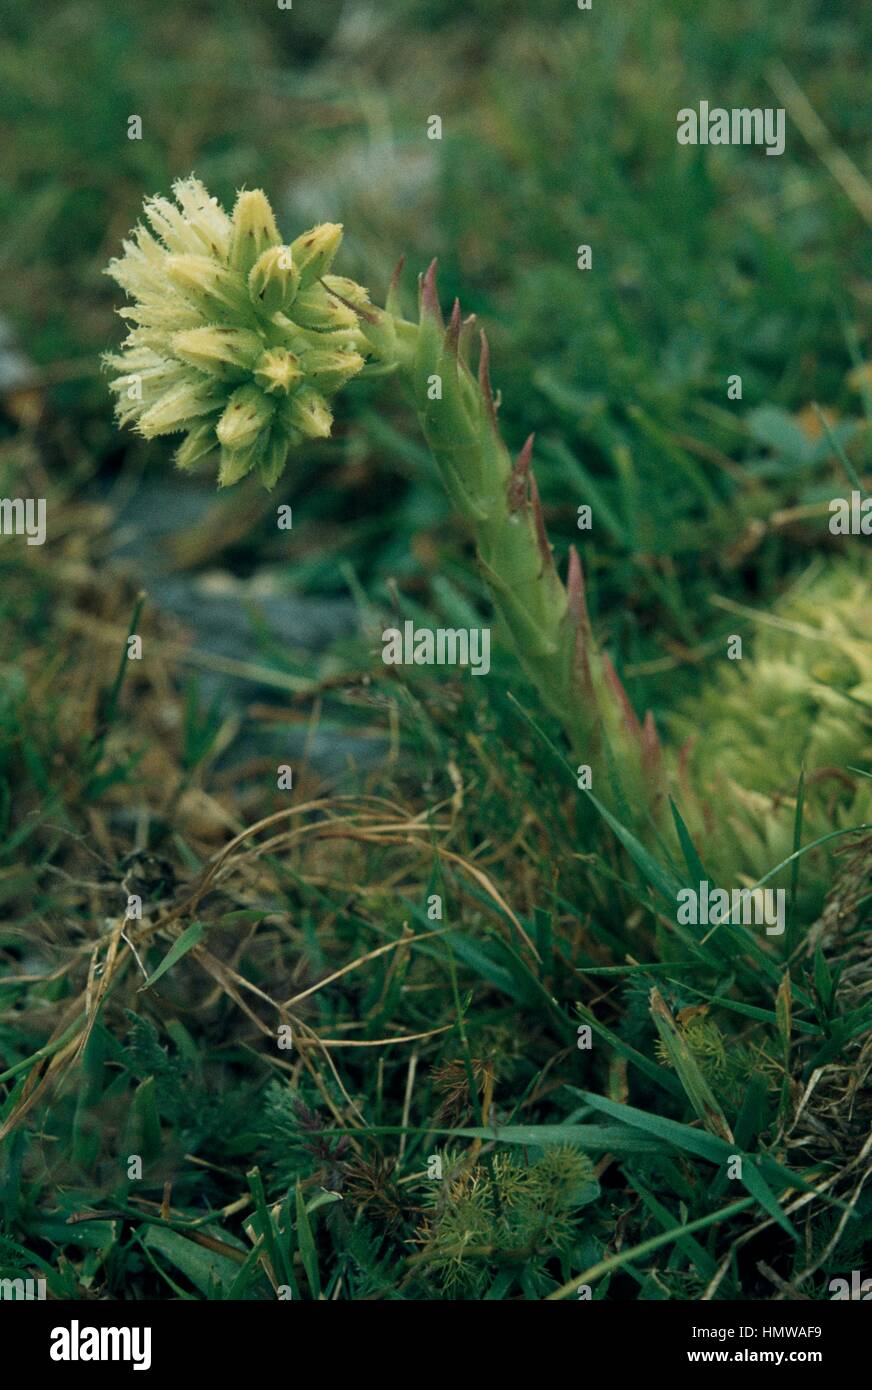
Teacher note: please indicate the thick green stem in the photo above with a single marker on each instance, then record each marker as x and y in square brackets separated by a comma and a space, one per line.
[499, 501]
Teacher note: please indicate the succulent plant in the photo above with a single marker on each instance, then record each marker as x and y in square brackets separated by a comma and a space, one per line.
[237, 340]
[801, 700]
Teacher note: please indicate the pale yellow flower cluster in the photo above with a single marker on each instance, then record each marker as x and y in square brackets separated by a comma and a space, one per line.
[237, 341]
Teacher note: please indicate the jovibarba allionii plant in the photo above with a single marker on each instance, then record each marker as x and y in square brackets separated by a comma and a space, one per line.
[239, 341]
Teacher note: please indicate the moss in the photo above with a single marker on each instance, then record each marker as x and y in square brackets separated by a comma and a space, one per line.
[497, 1218]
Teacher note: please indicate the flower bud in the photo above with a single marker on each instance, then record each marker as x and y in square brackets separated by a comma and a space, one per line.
[274, 280]
[272, 465]
[254, 230]
[315, 251]
[196, 445]
[236, 463]
[356, 295]
[209, 286]
[278, 372]
[329, 371]
[315, 308]
[329, 339]
[175, 408]
[247, 414]
[308, 412]
[223, 352]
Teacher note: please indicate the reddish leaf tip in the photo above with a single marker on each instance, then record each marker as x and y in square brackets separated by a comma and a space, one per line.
[452, 334]
[398, 271]
[520, 474]
[620, 693]
[484, 380]
[429, 294]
